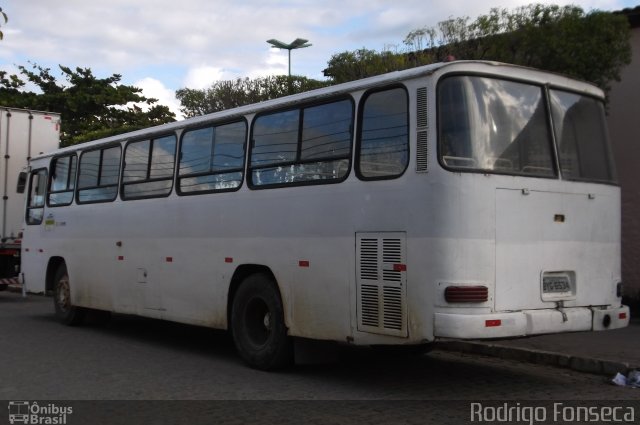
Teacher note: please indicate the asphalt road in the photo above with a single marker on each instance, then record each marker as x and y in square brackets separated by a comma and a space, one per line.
[132, 358]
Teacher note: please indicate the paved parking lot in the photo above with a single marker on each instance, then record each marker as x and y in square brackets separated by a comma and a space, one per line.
[132, 358]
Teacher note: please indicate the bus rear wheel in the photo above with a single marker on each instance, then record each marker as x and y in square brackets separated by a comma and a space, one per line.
[257, 324]
[66, 312]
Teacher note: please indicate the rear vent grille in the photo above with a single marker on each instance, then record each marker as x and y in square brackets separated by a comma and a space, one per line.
[422, 148]
[422, 116]
[422, 152]
[381, 280]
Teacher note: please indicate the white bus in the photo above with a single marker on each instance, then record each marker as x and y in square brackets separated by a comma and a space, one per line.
[461, 199]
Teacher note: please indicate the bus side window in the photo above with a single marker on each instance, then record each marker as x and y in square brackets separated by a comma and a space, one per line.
[384, 135]
[62, 182]
[35, 201]
[212, 159]
[98, 175]
[308, 145]
[148, 168]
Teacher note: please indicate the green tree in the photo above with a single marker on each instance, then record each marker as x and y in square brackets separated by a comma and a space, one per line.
[241, 91]
[362, 63]
[591, 46]
[91, 107]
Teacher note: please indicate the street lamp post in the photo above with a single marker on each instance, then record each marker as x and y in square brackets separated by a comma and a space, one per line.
[298, 43]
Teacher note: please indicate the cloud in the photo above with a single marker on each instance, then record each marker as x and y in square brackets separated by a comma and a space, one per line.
[196, 42]
[201, 77]
[156, 89]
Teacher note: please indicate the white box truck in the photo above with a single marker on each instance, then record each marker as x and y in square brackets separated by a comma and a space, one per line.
[23, 134]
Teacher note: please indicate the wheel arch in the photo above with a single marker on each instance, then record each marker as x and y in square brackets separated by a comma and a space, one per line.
[52, 267]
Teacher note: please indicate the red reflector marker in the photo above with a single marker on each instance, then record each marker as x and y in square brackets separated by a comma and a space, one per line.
[303, 263]
[622, 316]
[120, 257]
[399, 267]
[169, 259]
[228, 260]
[492, 323]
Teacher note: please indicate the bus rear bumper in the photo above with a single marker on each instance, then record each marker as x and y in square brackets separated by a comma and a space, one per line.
[529, 322]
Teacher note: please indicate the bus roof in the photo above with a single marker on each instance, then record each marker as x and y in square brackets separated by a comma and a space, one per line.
[507, 70]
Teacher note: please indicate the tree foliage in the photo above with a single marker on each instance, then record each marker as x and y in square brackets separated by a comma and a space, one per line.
[591, 46]
[241, 91]
[362, 63]
[91, 107]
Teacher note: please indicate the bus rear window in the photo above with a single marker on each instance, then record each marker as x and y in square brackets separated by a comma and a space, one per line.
[581, 134]
[492, 125]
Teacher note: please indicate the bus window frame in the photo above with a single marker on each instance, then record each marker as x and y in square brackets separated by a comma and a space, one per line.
[123, 162]
[117, 184]
[70, 179]
[300, 108]
[241, 169]
[358, 142]
[550, 130]
[609, 147]
[29, 207]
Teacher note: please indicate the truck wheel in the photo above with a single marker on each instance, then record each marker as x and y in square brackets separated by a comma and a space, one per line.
[257, 324]
[65, 311]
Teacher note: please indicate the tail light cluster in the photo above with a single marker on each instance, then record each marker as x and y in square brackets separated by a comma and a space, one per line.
[466, 294]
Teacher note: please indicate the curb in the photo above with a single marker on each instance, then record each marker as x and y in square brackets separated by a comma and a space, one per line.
[15, 288]
[547, 358]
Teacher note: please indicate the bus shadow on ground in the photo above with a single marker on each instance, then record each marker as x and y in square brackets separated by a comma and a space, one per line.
[329, 362]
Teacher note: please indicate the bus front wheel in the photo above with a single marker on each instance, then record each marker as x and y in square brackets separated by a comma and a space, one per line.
[66, 312]
[257, 324]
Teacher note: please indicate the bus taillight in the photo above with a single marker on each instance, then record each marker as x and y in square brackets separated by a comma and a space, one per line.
[466, 294]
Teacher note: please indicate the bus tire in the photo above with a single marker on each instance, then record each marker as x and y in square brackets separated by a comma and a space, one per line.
[257, 324]
[66, 312]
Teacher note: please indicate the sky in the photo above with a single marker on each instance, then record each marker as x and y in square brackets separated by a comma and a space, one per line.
[161, 46]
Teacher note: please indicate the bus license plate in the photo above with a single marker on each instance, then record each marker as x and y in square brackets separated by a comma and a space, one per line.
[555, 284]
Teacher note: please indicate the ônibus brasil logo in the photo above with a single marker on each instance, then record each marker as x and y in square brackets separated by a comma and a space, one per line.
[32, 413]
